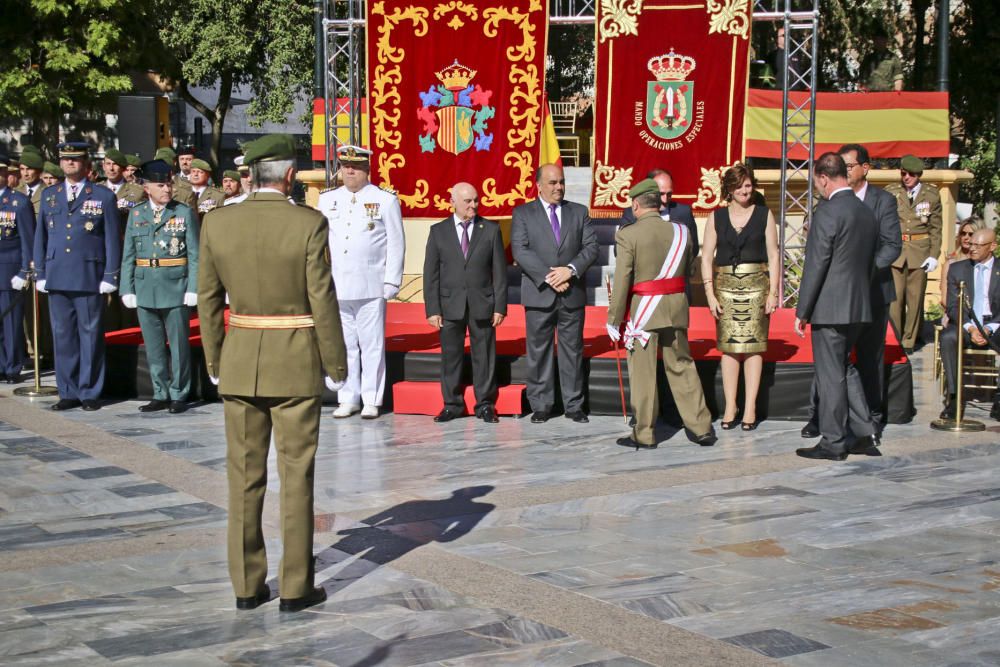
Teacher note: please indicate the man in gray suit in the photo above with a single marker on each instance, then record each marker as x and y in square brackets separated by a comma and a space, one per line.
[465, 287]
[835, 299]
[870, 348]
[553, 242]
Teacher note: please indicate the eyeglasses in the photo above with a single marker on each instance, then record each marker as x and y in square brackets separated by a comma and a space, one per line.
[966, 233]
[981, 245]
[852, 165]
[668, 195]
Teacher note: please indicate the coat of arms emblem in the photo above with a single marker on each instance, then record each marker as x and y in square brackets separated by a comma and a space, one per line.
[455, 112]
[670, 99]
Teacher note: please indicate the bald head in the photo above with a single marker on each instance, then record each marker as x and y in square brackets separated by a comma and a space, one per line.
[984, 242]
[465, 199]
[551, 183]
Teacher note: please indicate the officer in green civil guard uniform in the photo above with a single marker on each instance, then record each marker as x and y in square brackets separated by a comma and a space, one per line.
[919, 206]
[209, 196]
[160, 278]
[284, 335]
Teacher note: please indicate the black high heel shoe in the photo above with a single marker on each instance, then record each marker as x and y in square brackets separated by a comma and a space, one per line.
[750, 426]
[730, 425]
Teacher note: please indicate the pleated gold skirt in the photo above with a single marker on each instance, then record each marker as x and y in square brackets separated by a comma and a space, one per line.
[742, 293]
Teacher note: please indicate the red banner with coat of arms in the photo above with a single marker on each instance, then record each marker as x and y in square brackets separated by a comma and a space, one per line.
[455, 94]
[671, 91]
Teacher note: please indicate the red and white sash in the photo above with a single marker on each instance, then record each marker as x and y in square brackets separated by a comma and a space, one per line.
[640, 314]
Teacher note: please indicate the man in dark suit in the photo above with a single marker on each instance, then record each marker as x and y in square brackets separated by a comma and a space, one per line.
[835, 299]
[78, 255]
[669, 209]
[17, 233]
[981, 275]
[465, 287]
[553, 242]
[870, 348]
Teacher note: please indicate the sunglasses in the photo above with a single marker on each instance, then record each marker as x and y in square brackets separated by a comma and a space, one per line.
[966, 233]
[908, 173]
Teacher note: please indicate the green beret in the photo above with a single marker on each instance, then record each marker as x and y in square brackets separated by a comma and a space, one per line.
[28, 148]
[133, 160]
[230, 173]
[201, 164]
[912, 164]
[166, 154]
[53, 169]
[32, 160]
[269, 148]
[116, 156]
[644, 186]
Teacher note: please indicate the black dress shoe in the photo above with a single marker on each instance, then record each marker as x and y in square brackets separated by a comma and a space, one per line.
[995, 411]
[177, 407]
[949, 411]
[866, 446]
[317, 596]
[705, 439]
[627, 441]
[818, 452]
[263, 595]
[446, 415]
[578, 416]
[539, 417]
[12, 379]
[488, 415]
[66, 404]
[154, 405]
[91, 405]
[810, 430]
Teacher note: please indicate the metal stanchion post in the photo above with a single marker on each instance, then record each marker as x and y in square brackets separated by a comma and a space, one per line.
[958, 424]
[38, 389]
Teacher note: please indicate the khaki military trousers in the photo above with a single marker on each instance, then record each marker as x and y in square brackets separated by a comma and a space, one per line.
[249, 421]
[907, 311]
[682, 377]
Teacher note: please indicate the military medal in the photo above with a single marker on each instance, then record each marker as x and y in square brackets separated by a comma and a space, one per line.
[89, 226]
[371, 211]
[924, 210]
[175, 247]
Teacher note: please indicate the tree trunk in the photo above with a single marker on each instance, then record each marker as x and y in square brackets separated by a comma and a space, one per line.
[45, 134]
[219, 122]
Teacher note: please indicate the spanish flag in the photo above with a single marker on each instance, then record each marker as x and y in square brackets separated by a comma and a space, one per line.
[343, 136]
[888, 124]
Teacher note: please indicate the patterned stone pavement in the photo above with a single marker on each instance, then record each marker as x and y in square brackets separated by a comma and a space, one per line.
[515, 544]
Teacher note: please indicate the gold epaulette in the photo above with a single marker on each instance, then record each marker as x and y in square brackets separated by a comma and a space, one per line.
[330, 189]
[389, 190]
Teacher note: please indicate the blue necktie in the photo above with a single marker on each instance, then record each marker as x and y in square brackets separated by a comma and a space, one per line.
[980, 291]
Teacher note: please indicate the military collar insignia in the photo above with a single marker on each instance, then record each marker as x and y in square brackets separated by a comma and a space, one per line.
[4, 200]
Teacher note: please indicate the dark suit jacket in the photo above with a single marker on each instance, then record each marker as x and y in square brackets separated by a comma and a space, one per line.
[678, 213]
[890, 242]
[452, 282]
[962, 270]
[17, 237]
[534, 247]
[840, 260]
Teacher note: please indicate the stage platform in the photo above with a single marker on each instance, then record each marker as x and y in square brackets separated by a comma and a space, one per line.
[413, 367]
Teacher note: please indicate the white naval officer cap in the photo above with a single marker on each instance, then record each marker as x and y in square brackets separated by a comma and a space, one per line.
[348, 154]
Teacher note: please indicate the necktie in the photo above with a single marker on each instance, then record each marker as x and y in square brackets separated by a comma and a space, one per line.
[465, 237]
[980, 291]
[555, 222]
[71, 193]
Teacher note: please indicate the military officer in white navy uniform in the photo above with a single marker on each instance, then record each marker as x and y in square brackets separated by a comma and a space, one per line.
[366, 247]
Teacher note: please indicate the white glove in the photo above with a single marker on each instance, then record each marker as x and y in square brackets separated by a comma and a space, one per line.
[929, 264]
[332, 384]
[129, 301]
[18, 283]
[107, 288]
[389, 291]
[213, 380]
[40, 286]
[190, 299]
[614, 333]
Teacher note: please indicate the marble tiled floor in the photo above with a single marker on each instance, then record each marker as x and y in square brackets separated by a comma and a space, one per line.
[515, 544]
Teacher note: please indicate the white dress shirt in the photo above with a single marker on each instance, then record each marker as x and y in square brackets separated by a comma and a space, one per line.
[458, 228]
[545, 207]
[982, 299]
[863, 191]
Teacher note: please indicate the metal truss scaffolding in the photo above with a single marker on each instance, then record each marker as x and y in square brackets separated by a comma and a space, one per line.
[343, 54]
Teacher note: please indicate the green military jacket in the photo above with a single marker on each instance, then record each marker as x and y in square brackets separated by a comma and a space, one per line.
[272, 259]
[210, 198]
[922, 216]
[184, 194]
[36, 198]
[882, 71]
[129, 195]
[641, 252]
[174, 237]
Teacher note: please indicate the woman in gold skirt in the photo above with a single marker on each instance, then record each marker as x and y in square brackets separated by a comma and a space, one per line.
[742, 292]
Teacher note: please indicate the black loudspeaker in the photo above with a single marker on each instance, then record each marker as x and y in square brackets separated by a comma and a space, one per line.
[137, 126]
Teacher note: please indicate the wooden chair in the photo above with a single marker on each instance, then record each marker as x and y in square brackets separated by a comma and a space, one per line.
[564, 121]
[979, 375]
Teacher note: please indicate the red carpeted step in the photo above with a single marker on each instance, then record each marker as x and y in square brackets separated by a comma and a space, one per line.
[424, 398]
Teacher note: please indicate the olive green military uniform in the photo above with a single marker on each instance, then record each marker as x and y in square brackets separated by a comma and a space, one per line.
[641, 251]
[36, 196]
[210, 198]
[882, 71]
[284, 333]
[184, 194]
[160, 265]
[920, 223]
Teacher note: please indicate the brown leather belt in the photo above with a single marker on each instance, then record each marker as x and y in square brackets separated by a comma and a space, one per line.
[271, 321]
[166, 261]
[915, 237]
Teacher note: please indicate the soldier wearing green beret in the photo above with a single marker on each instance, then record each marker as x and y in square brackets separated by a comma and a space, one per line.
[920, 221]
[129, 194]
[32, 165]
[284, 331]
[52, 174]
[159, 280]
[209, 196]
[654, 260]
[132, 170]
[231, 184]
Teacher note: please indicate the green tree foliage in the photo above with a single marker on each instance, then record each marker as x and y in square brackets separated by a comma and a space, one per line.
[65, 56]
[570, 62]
[264, 44]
